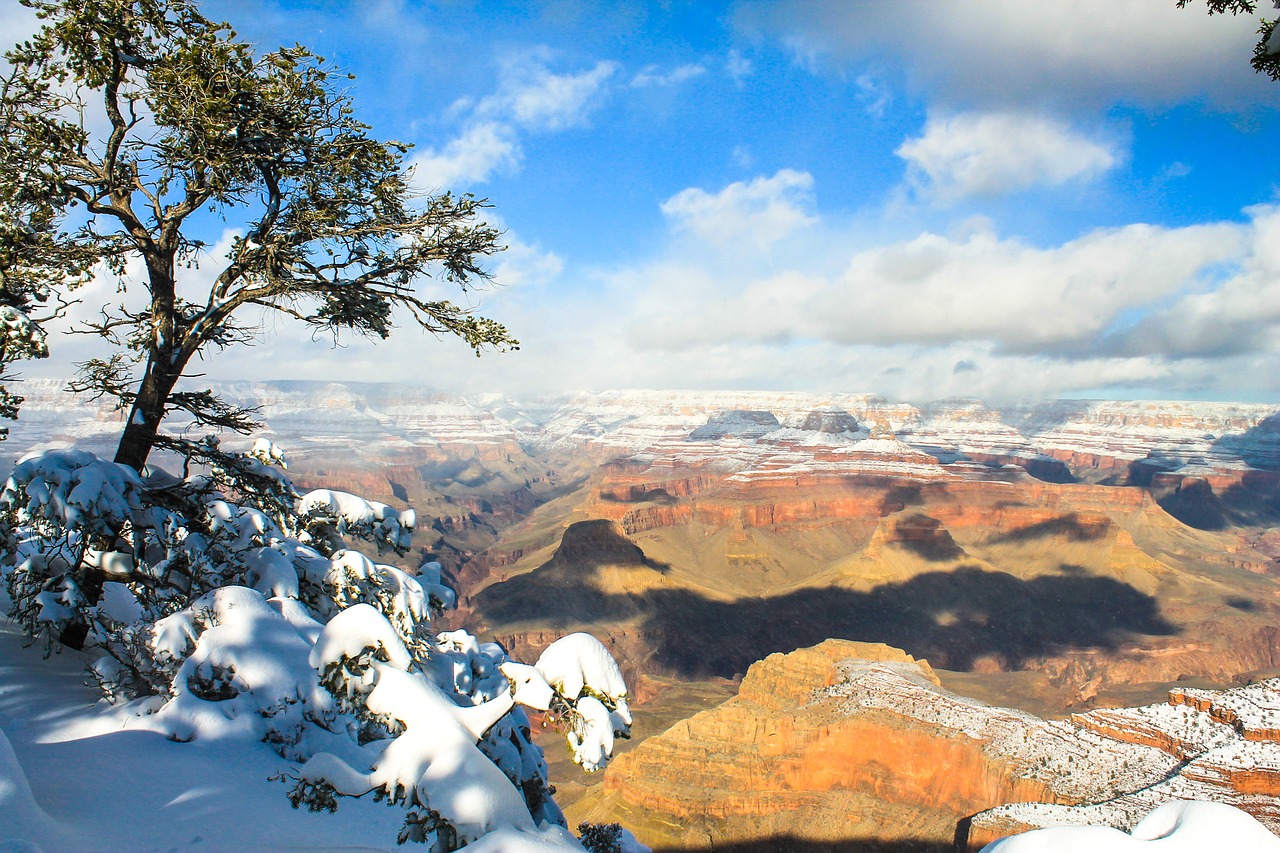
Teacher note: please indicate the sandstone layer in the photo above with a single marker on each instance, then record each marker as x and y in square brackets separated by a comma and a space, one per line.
[854, 746]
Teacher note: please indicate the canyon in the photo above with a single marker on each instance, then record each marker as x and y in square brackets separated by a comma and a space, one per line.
[857, 746]
[1064, 559]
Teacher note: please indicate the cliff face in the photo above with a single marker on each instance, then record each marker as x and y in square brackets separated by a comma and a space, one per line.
[852, 743]
[781, 759]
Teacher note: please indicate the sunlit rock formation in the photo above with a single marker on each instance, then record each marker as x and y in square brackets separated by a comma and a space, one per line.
[854, 745]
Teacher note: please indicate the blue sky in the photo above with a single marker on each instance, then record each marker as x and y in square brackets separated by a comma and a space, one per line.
[921, 199]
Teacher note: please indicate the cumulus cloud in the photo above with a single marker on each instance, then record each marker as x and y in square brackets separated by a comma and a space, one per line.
[1002, 52]
[1017, 297]
[1238, 316]
[1191, 312]
[758, 212]
[985, 154]
[530, 99]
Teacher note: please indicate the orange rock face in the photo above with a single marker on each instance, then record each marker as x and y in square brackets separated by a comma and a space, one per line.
[851, 743]
[787, 756]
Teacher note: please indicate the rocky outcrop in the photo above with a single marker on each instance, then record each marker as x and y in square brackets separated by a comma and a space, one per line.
[831, 420]
[845, 741]
[852, 743]
[737, 423]
[1225, 745]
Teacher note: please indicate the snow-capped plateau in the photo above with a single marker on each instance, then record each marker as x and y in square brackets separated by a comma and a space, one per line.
[755, 434]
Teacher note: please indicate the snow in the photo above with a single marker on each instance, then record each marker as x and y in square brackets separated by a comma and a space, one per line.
[119, 603]
[247, 671]
[72, 488]
[267, 452]
[26, 822]
[579, 663]
[592, 737]
[72, 780]
[354, 630]
[111, 562]
[309, 648]
[198, 765]
[581, 669]
[1176, 827]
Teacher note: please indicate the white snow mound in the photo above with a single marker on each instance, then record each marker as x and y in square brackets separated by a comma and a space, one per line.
[1176, 827]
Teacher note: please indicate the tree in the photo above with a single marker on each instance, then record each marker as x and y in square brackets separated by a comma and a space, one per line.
[222, 602]
[37, 264]
[136, 117]
[215, 618]
[1266, 53]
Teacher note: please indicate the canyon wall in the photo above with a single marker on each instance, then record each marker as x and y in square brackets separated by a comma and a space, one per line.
[855, 746]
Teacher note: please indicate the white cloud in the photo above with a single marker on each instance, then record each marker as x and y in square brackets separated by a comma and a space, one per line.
[1238, 316]
[1177, 312]
[1002, 52]
[481, 150]
[1016, 297]
[874, 96]
[1190, 312]
[974, 154]
[652, 75]
[938, 291]
[738, 66]
[759, 212]
[525, 265]
[530, 99]
[534, 97]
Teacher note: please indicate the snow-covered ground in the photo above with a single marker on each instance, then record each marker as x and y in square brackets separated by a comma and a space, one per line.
[1177, 827]
[72, 780]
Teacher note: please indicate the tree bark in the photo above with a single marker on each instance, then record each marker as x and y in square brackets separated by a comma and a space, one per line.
[165, 361]
[148, 411]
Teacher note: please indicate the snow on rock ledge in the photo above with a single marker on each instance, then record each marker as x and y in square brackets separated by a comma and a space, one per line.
[1177, 827]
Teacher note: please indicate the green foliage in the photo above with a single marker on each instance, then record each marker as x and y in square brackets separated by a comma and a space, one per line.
[601, 837]
[193, 119]
[427, 827]
[316, 796]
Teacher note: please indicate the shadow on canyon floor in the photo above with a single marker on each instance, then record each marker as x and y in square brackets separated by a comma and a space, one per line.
[1070, 527]
[791, 844]
[1256, 445]
[953, 618]
[1254, 502]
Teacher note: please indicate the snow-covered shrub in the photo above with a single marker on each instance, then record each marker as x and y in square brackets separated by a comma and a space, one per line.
[601, 837]
[594, 696]
[223, 611]
[66, 520]
[330, 516]
[608, 838]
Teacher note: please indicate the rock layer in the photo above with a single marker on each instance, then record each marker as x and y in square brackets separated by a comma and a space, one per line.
[852, 743]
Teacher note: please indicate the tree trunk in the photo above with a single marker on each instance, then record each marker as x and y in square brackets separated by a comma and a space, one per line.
[148, 410]
[165, 361]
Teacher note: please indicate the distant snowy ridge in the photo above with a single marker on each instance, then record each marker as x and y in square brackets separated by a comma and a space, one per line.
[318, 416]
